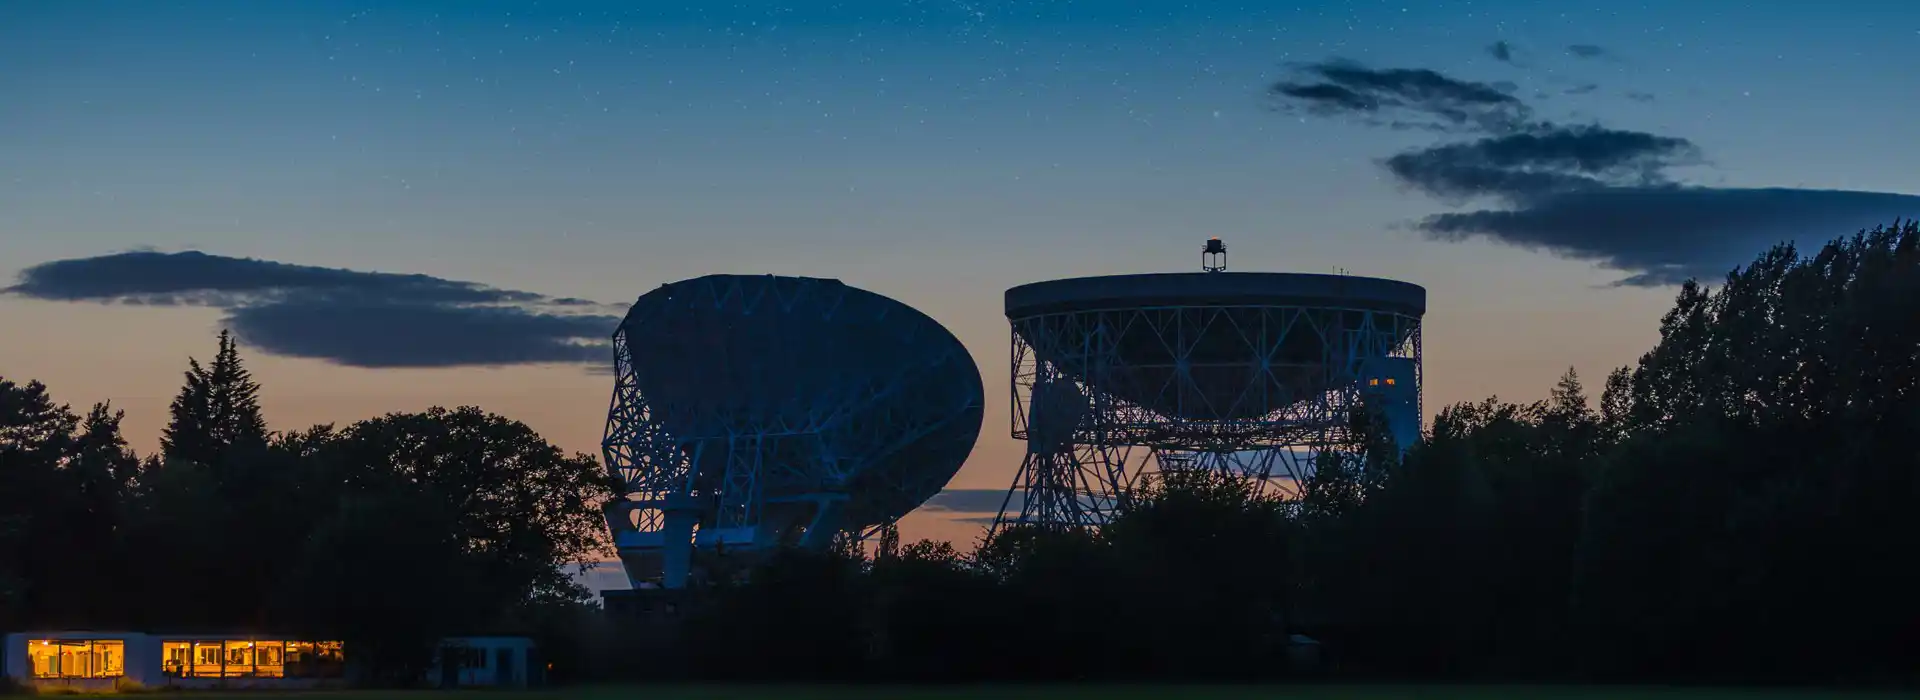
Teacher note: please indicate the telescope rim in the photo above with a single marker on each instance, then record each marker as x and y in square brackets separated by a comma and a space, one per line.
[1203, 289]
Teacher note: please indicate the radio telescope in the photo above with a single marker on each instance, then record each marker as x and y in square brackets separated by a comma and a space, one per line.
[1255, 373]
[751, 412]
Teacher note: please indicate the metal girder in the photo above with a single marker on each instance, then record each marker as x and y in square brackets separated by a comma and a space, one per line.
[756, 411]
[1258, 391]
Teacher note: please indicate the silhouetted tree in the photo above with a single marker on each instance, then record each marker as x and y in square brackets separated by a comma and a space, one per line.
[515, 500]
[217, 410]
[175, 525]
[31, 424]
[87, 507]
[1736, 505]
[799, 615]
[1205, 556]
[1766, 471]
[935, 617]
[62, 488]
[387, 575]
[389, 533]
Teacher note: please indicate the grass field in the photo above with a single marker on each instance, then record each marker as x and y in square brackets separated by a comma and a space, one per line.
[1068, 692]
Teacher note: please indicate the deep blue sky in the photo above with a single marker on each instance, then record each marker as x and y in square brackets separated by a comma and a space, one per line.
[936, 152]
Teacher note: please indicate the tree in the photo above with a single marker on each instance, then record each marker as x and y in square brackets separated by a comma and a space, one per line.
[63, 489]
[934, 617]
[176, 524]
[387, 576]
[801, 613]
[87, 511]
[36, 435]
[1208, 557]
[104, 466]
[217, 438]
[31, 424]
[216, 411]
[1766, 457]
[13, 584]
[514, 500]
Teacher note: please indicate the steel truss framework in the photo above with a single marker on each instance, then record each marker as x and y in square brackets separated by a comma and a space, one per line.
[776, 432]
[1258, 391]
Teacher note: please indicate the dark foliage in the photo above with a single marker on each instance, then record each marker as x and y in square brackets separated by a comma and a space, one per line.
[1737, 506]
[388, 534]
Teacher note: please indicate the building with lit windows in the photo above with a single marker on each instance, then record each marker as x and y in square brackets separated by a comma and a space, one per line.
[101, 661]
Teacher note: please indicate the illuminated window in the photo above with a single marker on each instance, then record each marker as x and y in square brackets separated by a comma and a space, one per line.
[1389, 381]
[176, 658]
[209, 660]
[250, 658]
[299, 659]
[314, 660]
[1373, 382]
[239, 657]
[269, 659]
[330, 660]
[77, 658]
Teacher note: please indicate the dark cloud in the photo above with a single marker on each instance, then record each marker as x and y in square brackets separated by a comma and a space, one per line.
[1413, 98]
[1582, 89]
[973, 502]
[1638, 96]
[383, 333]
[1587, 51]
[1546, 160]
[1501, 51]
[348, 317]
[1592, 193]
[1665, 235]
[200, 279]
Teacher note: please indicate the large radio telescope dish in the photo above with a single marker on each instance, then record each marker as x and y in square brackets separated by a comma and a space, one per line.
[1259, 374]
[752, 411]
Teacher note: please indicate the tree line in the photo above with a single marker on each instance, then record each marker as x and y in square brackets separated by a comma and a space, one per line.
[1738, 505]
[386, 534]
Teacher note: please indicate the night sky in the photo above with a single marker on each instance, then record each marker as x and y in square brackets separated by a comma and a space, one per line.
[1546, 170]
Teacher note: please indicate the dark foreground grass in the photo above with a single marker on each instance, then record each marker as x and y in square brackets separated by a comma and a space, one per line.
[1084, 692]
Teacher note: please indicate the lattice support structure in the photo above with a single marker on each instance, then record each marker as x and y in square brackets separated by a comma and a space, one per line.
[1256, 389]
[754, 412]
[1078, 488]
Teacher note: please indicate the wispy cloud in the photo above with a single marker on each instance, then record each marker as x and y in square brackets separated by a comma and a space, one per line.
[1589, 51]
[1402, 98]
[1501, 51]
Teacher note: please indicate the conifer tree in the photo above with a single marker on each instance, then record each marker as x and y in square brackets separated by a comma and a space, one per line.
[102, 465]
[216, 410]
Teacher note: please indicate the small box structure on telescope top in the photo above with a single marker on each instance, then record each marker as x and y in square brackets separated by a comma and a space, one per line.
[1213, 258]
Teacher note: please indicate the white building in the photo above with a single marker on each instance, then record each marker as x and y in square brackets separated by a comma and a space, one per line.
[100, 661]
[499, 662]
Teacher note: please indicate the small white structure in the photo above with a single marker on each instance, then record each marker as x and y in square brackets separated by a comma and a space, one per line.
[497, 662]
[1303, 652]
